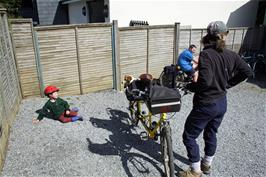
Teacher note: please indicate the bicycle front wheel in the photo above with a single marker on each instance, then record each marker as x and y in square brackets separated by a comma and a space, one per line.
[167, 150]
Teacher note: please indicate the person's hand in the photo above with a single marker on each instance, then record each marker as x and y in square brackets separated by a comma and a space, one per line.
[196, 59]
[67, 112]
[35, 121]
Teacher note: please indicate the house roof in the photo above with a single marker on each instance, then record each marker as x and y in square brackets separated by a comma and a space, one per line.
[71, 1]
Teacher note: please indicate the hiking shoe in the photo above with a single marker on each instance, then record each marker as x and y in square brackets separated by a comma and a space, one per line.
[189, 173]
[206, 169]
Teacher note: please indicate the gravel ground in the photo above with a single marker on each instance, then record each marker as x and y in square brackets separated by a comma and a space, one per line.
[105, 145]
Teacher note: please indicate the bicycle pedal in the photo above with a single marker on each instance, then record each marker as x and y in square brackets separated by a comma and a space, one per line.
[144, 136]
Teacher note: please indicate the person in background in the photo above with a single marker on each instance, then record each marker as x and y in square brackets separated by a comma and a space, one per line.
[219, 70]
[188, 63]
[57, 108]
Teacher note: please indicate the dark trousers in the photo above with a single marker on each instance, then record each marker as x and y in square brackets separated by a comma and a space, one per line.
[207, 118]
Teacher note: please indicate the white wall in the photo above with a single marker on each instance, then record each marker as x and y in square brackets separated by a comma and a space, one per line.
[196, 13]
[75, 13]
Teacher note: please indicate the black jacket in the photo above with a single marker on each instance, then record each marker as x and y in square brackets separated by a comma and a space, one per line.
[217, 72]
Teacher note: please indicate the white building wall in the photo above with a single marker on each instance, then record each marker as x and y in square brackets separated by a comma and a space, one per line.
[75, 13]
[196, 13]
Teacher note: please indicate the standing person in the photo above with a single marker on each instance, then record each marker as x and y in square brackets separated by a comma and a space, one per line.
[188, 63]
[57, 108]
[219, 69]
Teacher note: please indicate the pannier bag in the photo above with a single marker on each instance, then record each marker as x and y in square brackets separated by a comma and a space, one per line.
[163, 99]
[170, 73]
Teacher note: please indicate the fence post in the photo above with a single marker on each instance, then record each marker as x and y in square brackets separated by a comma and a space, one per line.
[148, 52]
[78, 60]
[190, 36]
[201, 35]
[38, 61]
[116, 56]
[176, 42]
[233, 42]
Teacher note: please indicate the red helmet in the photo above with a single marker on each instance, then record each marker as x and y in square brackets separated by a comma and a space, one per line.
[50, 89]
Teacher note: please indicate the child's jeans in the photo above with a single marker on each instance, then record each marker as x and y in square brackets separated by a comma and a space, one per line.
[64, 118]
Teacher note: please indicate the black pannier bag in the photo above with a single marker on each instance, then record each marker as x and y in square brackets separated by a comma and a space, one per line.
[137, 90]
[163, 99]
[170, 75]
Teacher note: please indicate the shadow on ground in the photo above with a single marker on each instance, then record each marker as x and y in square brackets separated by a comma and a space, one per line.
[123, 139]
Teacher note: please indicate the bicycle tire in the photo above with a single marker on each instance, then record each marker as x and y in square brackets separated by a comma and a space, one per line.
[180, 81]
[167, 151]
[167, 81]
[259, 69]
[133, 113]
[164, 81]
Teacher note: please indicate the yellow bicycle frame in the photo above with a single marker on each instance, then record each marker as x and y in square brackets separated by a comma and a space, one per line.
[146, 121]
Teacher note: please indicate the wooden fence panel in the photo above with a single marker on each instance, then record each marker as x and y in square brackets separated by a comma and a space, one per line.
[133, 52]
[9, 87]
[237, 40]
[161, 49]
[95, 52]
[184, 39]
[8, 73]
[196, 35]
[25, 57]
[230, 39]
[58, 58]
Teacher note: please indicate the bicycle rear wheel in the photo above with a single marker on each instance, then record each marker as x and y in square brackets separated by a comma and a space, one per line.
[164, 80]
[167, 80]
[180, 80]
[167, 151]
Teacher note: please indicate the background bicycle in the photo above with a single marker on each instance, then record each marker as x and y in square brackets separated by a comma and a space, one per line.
[257, 62]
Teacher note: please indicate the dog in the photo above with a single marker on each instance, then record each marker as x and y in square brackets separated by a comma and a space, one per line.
[127, 80]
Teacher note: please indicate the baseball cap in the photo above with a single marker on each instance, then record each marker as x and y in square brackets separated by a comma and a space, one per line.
[217, 27]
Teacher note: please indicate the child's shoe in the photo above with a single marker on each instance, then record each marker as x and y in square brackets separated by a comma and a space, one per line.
[189, 173]
[76, 118]
[206, 169]
[80, 118]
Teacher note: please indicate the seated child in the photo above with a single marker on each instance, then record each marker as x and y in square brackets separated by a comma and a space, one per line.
[57, 107]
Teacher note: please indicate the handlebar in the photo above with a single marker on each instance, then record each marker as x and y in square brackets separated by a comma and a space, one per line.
[138, 92]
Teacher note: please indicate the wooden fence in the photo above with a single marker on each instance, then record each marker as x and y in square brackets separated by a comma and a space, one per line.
[9, 85]
[76, 58]
[87, 58]
[91, 57]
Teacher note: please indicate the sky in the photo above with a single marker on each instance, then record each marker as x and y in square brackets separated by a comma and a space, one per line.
[194, 13]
